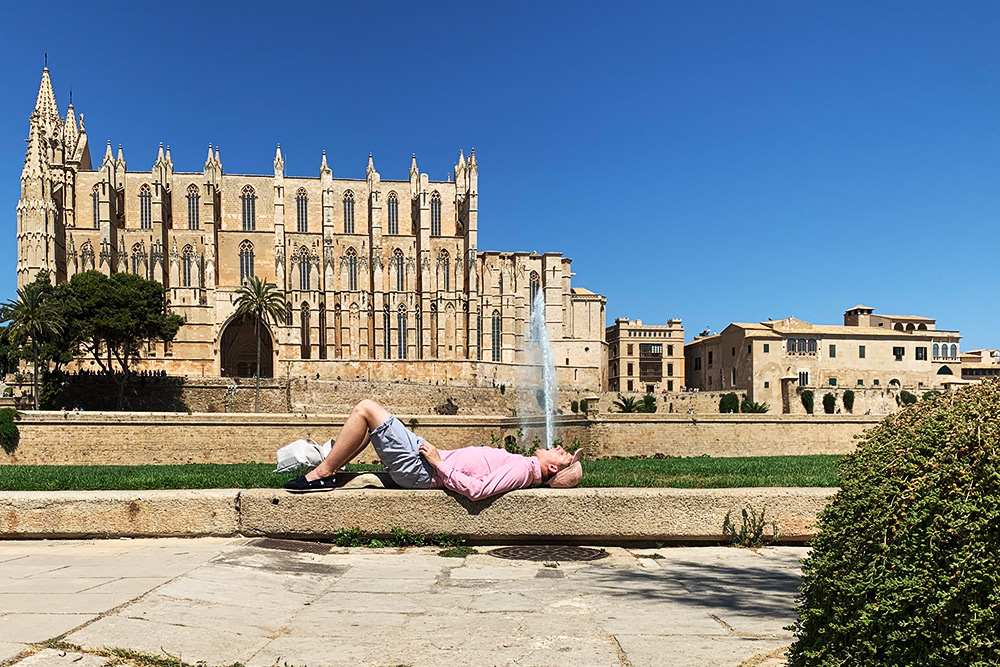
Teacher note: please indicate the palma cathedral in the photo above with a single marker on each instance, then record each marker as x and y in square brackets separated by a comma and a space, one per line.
[382, 280]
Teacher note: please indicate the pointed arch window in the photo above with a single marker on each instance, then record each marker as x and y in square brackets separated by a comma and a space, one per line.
[187, 264]
[436, 214]
[246, 261]
[305, 347]
[322, 331]
[87, 256]
[399, 266]
[401, 332]
[393, 209]
[302, 260]
[193, 197]
[95, 197]
[348, 212]
[352, 269]
[145, 207]
[386, 333]
[302, 211]
[138, 258]
[249, 200]
[444, 263]
[495, 338]
[289, 316]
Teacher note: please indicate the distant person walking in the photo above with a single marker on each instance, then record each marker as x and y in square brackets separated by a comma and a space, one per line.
[413, 463]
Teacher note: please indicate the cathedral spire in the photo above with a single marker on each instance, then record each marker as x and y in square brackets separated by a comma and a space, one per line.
[70, 133]
[209, 159]
[107, 153]
[45, 104]
[159, 153]
[324, 168]
[121, 155]
[279, 162]
[413, 165]
[371, 166]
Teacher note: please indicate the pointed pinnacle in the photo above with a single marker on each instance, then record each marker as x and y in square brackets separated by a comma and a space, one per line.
[159, 153]
[209, 159]
[107, 152]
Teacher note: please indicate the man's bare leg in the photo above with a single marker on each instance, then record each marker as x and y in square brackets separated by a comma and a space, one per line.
[366, 416]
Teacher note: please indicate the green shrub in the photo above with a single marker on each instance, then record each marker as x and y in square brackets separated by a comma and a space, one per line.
[752, 406]
[647, 403]
[751, 531]
[574, 406]
[829, 403]
[931, 395]
[626, 403]
[906, 398]
[729, 403]
[848, 400]
[808, 398]
[906, 567]
[9, 433]
[503, 389]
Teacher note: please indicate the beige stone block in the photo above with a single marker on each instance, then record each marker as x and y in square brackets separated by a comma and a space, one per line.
[117, 513]
[583, 515]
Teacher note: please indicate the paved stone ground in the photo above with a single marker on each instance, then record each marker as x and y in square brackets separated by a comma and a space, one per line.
[217, 601]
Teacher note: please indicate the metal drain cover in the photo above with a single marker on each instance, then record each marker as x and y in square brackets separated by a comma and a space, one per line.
[542, 552]
[292, 545]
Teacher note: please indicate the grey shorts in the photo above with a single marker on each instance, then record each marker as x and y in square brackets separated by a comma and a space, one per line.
[399, 450]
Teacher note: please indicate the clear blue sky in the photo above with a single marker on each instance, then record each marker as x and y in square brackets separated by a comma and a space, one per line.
[714, 161]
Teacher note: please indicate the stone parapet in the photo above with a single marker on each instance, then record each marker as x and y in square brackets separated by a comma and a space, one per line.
[605, 515]
[133, 438]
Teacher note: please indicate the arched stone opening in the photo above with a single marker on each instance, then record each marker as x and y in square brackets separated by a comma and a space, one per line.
[944, 370]
[238, 350]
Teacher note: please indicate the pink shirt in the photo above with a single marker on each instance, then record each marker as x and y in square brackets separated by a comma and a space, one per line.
[481, 472]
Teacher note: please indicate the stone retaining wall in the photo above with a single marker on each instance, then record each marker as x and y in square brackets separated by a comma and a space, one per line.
[50, 438]
[610, 516]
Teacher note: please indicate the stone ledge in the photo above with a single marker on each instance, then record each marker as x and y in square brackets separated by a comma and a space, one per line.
[593, 515]
[76, 514]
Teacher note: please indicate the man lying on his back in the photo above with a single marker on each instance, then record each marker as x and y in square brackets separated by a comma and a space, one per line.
[413, 463]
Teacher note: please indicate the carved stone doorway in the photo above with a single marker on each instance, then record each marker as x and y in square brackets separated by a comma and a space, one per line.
[238, 350]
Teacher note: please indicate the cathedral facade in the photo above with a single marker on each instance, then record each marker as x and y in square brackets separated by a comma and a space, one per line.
[382, 280]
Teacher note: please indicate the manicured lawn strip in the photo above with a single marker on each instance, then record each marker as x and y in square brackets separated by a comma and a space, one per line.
[131, 478]
[696, 472]
[703, 472]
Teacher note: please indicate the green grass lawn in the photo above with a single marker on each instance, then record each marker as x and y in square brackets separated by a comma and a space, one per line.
[695, 473]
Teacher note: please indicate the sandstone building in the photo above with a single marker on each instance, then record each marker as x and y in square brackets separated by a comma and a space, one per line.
[646, 358]
[382, 279]
[979, 365]
[770, 360]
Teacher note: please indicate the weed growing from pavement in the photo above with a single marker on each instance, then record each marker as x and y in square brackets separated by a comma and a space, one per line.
[458, 552]
[751, 532]
[398, 537]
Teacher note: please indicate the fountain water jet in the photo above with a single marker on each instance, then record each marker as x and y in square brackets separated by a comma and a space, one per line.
[539, 388]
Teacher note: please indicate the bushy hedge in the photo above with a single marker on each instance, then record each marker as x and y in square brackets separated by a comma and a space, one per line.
[906, 568]
[729, 403]
[808, 400]
[829, 403]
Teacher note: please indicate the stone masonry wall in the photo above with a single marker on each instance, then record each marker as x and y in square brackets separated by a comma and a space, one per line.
[157, 438]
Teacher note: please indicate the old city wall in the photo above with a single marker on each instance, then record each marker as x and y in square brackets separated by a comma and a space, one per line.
[73, 438]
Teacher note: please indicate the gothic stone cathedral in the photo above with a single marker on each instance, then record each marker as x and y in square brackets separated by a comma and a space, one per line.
[382, 279]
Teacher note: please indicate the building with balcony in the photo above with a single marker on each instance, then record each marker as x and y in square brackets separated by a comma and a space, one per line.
[647, 358]
[770, 361]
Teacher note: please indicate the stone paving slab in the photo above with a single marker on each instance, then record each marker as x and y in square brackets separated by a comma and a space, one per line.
[225, 601]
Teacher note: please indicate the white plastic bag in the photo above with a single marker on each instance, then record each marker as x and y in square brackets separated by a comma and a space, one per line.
[301, 454]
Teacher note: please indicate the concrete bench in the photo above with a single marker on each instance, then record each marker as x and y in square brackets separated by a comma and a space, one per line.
[588, 515]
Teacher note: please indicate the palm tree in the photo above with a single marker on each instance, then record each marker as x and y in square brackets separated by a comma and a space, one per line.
[627, 403]
[32, 317]
[262, 301]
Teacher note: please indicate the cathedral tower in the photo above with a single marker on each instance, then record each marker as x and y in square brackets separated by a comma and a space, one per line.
[57, 150]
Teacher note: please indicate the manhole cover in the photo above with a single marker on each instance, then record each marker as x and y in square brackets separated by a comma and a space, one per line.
[548, 553]
[292, 545]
